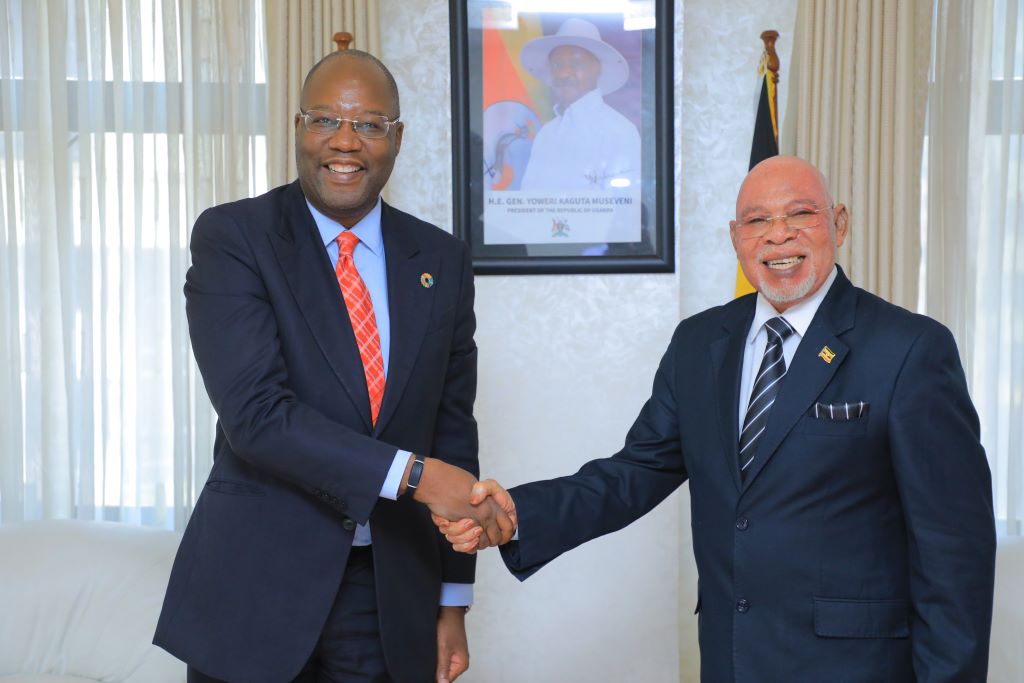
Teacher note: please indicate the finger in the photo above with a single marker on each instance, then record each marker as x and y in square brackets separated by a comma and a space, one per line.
[448, 527]
[492, 532]
[443, 662]
[506, 503]
[466, 537]
[467, 548]
[505, 524]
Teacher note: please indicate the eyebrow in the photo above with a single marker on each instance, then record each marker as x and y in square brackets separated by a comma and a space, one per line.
[328, 108]
[790, 204]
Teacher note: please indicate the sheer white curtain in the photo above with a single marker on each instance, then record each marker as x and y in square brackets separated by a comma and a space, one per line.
[973, 232]
[120, 121]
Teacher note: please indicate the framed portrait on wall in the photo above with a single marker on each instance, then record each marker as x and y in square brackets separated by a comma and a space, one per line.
[562, 135]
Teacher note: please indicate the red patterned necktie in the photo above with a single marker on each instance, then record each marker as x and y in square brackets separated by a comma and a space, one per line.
[364, 322]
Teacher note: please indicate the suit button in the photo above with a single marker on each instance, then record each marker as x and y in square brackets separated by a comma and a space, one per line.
[742, 523]
[742, 605]
[348, 525]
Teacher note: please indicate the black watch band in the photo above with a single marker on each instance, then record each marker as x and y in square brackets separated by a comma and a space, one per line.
[414, 474]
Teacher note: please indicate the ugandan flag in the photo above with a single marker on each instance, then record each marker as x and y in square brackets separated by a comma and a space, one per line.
[765, 143]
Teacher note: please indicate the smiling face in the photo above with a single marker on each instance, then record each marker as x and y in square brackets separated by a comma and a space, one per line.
[342, 174]
[574, 72]
[787, 266]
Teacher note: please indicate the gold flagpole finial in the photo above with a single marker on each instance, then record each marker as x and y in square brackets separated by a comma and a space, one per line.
[769, 38]
[343, 39]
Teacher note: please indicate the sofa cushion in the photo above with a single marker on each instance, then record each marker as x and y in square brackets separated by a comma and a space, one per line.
[1005, 662]
[81, 599]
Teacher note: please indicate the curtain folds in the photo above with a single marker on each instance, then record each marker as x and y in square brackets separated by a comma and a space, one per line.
[974, 227]
[299, 34]
[857, 95]
[120, 121]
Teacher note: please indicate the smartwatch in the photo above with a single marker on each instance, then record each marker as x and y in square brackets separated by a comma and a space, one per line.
[414, 474]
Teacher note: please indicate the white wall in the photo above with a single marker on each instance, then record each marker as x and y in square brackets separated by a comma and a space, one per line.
[567, 361]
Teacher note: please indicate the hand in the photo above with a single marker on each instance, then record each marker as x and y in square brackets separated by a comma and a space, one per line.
[464, 535]
[452, 646]
[446, 490]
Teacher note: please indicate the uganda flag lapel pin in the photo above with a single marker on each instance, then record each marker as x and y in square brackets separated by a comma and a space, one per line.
[826, 354]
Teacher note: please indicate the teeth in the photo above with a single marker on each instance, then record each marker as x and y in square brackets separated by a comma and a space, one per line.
[343, 168]
[783, 263]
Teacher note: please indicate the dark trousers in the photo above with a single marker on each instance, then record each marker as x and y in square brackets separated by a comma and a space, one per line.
[349, 650]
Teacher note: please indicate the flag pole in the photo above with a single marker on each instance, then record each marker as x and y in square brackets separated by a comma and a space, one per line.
[766, 123]
[771, 65]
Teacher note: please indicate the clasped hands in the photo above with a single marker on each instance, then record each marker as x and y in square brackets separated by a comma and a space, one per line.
[471, 514]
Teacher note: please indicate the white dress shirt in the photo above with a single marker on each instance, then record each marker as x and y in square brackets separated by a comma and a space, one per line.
[799, 317]
[584, 148]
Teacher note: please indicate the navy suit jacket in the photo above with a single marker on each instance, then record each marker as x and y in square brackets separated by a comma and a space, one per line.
[297, 461]
[855, 549]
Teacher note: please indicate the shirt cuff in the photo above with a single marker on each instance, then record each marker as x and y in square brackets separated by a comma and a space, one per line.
[394, 479]
[456, 594]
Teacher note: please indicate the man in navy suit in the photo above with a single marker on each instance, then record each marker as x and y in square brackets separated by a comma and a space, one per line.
[334, 334]
[841, 500]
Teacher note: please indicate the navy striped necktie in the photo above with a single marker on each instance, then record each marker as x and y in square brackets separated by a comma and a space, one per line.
[765, 390]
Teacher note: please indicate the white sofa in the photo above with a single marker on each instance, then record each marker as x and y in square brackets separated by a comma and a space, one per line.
[1006, 654]
[79, 602]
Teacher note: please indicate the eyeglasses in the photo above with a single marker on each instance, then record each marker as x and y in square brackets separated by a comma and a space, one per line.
[758, 226]
[369, 126]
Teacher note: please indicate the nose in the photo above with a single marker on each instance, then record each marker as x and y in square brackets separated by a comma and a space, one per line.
[779, 231]
[345, 138]
[561, 71]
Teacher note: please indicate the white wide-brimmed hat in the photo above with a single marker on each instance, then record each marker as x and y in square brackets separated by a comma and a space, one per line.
[581, 33]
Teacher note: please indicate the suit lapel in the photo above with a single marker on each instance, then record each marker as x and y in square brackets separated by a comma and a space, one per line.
[808, 374]
[302, 258]
[727, 364]
[409, 304]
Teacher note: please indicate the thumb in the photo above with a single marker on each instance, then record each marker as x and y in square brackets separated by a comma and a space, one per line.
[479, 493]
[442, 671]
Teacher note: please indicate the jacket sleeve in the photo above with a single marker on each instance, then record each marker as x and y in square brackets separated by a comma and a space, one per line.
[946, 491]
[235, 339]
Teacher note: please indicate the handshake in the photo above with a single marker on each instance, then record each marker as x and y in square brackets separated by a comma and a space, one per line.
[471, 514]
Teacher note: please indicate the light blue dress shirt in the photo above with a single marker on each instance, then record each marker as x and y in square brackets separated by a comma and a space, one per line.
[371, 265]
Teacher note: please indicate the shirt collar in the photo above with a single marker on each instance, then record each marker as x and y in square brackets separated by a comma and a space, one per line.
[799, 316]
[588, 101]
[367, 229]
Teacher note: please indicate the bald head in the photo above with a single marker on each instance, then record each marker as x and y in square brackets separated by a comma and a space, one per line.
[366, 57]
[782, 173]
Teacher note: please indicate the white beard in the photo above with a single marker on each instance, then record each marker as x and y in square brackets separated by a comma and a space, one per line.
[790, 293]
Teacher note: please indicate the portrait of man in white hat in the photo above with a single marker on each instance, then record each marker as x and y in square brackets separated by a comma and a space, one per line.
[588, 145]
